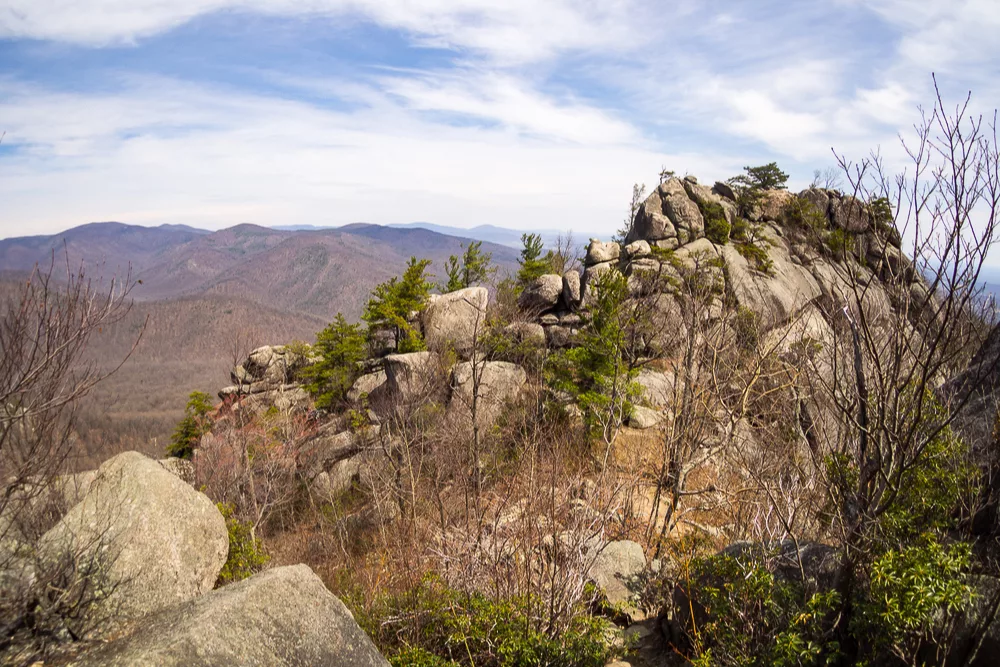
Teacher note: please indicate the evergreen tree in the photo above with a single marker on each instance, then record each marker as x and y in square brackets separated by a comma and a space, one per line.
[749, 187]
[533, 263]
[392, 302]
[600, 371]
[475, 266]
[194, 425]
[340, 346]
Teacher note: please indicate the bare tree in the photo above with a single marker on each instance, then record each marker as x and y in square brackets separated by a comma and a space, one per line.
[899, 337]
[45, 327]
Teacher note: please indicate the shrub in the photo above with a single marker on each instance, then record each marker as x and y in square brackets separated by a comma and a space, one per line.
[340, 346]
[194, 425]
[717, 227]
[246, 553]
[392, 302]
[533, 264]
[433, 625]
[474, 266]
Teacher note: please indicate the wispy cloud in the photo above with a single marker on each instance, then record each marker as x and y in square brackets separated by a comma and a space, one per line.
[529, 114]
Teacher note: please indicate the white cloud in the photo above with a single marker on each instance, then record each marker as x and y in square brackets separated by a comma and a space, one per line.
[509, 30]
[171, 152]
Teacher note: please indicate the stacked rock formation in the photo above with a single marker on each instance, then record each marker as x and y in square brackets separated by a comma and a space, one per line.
[268, 375]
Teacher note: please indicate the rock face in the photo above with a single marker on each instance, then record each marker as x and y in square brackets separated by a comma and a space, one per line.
[598, 252]
[365, 385]
[542, 294]
[571, 288]
[167, 541]
[455, 319]
[499, 382]
[410, 376]
[615, 568]
[283, 616]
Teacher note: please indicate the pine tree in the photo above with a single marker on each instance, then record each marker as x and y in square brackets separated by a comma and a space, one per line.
[392, 302]
[533, 263]
[340, 346]
[194, 425]
[475, 266]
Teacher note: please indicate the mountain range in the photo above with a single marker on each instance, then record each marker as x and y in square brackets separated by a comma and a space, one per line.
[197, 290]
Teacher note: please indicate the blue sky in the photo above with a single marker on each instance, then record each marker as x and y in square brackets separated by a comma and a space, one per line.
[520, 113]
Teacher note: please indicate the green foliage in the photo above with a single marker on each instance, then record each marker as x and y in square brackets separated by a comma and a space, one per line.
[751, 243]
[840, 242]
[753, 618]
[746, 324]
[717, 227]
[433, 625]
[750, 186]
[800, 213]
[195, 424]
[599, 373]
[911, 586]
[246, 553]
[392, 302]
[533, 263]
[340, 347]
[473, 267]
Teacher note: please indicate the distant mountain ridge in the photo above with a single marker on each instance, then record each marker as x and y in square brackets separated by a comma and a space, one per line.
[315, 272]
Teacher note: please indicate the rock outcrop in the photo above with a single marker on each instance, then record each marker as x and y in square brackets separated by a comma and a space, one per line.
[455, 319]
[499, 382]
[163, 542]
[284, 616]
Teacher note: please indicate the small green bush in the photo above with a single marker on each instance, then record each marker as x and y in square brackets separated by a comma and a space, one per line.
[196, 423]
[246, 553]
[717, 227]
[840, 242]
[433, 625]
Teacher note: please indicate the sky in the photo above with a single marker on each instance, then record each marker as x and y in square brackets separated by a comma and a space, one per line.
[519, 113]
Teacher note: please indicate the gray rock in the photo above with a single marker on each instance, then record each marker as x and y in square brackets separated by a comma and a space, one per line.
[499, 383]
[678, 207]
[166, 542]
[180, 467]
[774, 298]
[559, 336]
[638, 249]
[338, 479]
[548, 319]
[571, 288]
[527, 332]
[772, 204]
[724, 190]
[365, 385]
[284, 616]
[643, 418]
[598, 252]
[616, 567]
[818, 200]
[455, 319]
[657, 388]
[412, 376]
[850, 215]
[651, 222]
[542, 294]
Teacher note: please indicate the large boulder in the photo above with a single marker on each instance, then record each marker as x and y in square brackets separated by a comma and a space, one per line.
[598, 252]
[274, 364]
[411, 377]
[651, 222]
[365, 385]
[455, 319]
[541, 295]
[498, 381]
[772, 204]
[850, 215]
[616, 569]
[571, 288]
[682, 212]
[657, 388]
[776, 296]
[527, 333]
[284, 616]
[164, 541]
